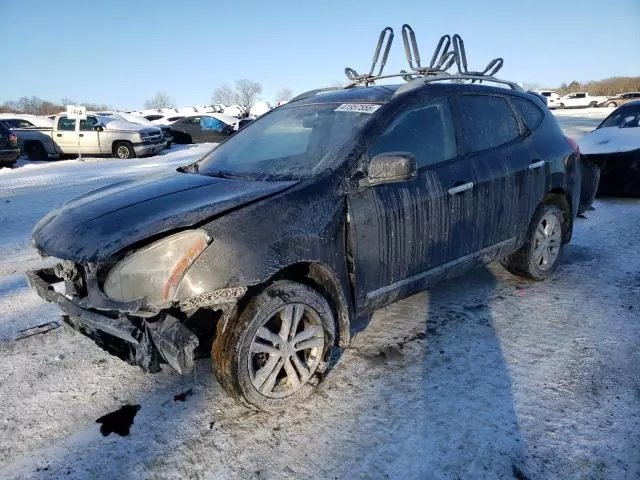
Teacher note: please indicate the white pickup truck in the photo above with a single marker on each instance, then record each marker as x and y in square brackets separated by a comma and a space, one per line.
[94, 135]
[579, 100]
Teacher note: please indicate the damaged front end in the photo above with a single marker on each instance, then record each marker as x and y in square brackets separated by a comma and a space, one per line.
[132, 308]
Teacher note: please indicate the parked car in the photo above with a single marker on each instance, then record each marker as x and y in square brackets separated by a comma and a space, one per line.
[22, 120]
[9, 149]
[579, 100]
[212, 127]
[621, 99]
[95, 135]
[128, 117]
[163, 119]
[552, 98]
[323, 210]
[615, 146]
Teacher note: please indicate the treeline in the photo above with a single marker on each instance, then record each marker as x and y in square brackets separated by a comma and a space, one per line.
[38, 106]
[606, 87]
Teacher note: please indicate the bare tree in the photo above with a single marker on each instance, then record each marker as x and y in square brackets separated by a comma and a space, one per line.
[224, 95]
[161, 100]
[284, 95]
[247, 91]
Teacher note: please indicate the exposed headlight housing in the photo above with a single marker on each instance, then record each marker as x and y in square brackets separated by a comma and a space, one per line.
[155, 271]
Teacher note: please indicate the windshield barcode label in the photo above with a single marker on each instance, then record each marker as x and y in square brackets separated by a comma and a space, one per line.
[358, 107]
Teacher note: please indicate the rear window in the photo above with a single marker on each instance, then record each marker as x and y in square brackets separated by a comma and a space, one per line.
[151, 118]
[486, 122]
[530, 113]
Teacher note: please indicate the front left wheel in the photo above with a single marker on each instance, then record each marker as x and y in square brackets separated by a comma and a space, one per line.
[272, 353]
[124, 150]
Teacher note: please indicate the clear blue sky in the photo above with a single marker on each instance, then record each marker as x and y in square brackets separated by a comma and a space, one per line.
[122, 52]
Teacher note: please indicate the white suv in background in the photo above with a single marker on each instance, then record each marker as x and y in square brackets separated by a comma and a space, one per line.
[551, 96]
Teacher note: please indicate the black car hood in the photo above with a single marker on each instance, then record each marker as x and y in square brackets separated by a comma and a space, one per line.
[98, 224]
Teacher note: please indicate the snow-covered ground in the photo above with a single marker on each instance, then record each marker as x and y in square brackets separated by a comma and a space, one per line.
[486, 376]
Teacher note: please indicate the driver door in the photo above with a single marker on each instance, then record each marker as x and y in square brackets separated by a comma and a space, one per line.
[403, 234]
[89, 138]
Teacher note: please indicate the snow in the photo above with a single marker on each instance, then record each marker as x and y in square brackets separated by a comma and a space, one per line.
[611, 140]
[485, 376]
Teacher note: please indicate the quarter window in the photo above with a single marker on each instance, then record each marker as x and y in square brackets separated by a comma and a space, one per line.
[486, 122]
[424, 130]
[66, 124]
[531, 114]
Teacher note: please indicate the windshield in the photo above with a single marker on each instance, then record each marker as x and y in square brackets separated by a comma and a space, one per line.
[624, 118]
[290, 143]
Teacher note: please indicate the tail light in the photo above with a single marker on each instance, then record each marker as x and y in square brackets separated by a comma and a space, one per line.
[573, 144]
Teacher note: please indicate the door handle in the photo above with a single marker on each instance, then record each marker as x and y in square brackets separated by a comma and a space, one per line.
[81, 134]
[460, 188]
[58, 134]
[535, 165]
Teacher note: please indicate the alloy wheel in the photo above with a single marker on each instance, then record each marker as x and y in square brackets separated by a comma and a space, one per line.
[547, 241]
[286, 350]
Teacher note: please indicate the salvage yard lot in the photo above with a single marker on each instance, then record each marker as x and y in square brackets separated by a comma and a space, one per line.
[488, 375]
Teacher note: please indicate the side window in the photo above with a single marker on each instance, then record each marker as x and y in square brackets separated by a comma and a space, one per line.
[581, 95]
[486, 122]
[425, 130]
[210, 123]
[192, 121]
[531, 114]
[88, 124]
[66, 124]
[151, 118]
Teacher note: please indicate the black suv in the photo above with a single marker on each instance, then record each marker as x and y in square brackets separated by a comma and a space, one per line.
[322, 210]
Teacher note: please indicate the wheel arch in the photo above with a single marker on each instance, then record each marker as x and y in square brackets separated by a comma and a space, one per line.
[562, 199]
[322, 279]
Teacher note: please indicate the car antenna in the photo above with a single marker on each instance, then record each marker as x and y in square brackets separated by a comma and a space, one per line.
[369, 78]
[443, 58]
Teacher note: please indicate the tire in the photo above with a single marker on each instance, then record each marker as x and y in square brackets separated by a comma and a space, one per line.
[593, 104]
[526, 262]
[11, 164]
[612, 104]
[123, 150]
[247, 375]
[590, 174]
[169, 145]
[36, 152]
[561, 105]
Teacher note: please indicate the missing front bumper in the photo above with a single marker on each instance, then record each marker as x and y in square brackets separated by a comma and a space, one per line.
[140, 341]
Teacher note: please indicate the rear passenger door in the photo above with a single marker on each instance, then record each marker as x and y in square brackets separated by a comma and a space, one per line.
[66, 136]
[213, 130]
[495, 145]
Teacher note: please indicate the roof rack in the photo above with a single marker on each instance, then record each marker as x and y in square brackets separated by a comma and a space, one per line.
[444, 57]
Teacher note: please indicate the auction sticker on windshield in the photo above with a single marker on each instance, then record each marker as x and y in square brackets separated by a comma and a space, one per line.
[358, 107]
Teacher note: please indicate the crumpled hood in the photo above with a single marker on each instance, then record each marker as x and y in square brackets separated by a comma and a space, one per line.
[610, 140]
[98, 224]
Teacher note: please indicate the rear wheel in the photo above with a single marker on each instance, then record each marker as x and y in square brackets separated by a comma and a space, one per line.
[542, 250]
[35, 151]
[593, 104]
[124, 150]
[272, 353]
[561, 105]
[612, 104]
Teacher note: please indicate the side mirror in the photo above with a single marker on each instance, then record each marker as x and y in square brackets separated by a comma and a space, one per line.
[99, 127]
[391, 167]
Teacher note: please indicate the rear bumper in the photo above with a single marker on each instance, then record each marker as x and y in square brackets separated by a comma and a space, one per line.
[137, 340]
[9, 155]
